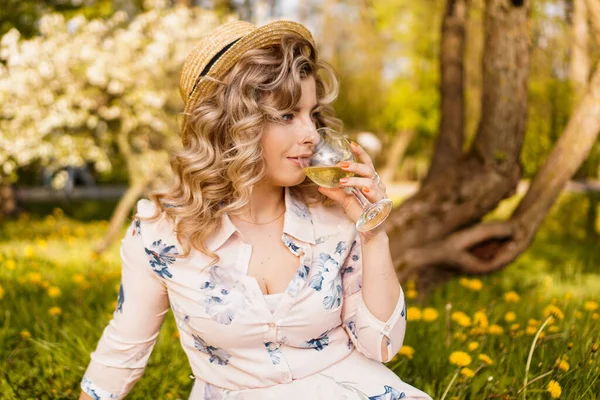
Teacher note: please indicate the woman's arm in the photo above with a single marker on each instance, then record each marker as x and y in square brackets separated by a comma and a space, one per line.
[125, 346]
[380, 287]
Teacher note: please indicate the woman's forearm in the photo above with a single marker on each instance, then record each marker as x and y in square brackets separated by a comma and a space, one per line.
[380, 286]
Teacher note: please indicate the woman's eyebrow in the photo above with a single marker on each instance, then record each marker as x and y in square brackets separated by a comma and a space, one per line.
[312, 109]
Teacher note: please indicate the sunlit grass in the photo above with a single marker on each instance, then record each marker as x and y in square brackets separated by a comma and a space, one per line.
[56, 297]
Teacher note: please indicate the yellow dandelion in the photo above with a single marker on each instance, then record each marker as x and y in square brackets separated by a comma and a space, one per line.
[510, 316]
[477, 331]
[430, 314]
[562, 365]
[476, 285]
[411, 294]
[473, 346]
[594, 348]
[29, 251]
[590, 305]
[460, 317]
[53, 291]
[533, 322]
[511, 297]
[595, 316]
[473, 284]
[551, 309]
[495, 329]
[41, 243]
[45, 284]
[485, 358]
[1, 292]
[461, 337]
[578, 315]
[34, 277]
[78, 278]
[410, 284]
[514, 327]
[554, 389]
[413, 314]
[479, 318]
[553, 329]
[10, 264]
[407, 352]
[531, 330]
[25, 334]
[460, 358]
[467, 372]
[53, 311]
[176, 334]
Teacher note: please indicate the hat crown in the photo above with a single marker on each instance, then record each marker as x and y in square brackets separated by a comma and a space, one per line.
[204, 51]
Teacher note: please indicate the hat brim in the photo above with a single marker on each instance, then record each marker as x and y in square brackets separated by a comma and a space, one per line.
[263, 36]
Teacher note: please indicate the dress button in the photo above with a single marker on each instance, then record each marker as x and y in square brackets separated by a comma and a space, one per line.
[272, 325]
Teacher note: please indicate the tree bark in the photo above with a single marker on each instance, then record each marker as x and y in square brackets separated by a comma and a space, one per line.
[449, 142]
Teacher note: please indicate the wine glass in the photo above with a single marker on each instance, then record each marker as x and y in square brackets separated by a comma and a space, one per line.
[323, 169]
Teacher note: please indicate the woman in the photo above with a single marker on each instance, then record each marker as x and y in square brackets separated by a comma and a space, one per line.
[275, 293]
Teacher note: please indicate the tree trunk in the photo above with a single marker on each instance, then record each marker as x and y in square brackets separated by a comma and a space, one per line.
[486, 247]
[396, 154]
[449, 142]
[8, 202]
[121, 213]
[580, 61]
[463, 193]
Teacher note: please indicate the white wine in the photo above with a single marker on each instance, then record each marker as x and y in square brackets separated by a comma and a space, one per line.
[327, 176]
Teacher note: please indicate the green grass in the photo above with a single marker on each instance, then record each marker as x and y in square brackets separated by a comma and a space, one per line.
[561, 267]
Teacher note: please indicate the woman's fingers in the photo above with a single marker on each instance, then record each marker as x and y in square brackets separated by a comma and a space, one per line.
[363, 157]
[367, 186]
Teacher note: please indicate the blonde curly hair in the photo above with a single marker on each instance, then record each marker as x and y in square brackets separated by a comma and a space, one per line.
[216, 171]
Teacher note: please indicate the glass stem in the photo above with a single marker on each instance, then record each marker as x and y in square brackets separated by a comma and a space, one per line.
[364, 202]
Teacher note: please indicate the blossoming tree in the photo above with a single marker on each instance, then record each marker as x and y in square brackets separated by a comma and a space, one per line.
[85, 91]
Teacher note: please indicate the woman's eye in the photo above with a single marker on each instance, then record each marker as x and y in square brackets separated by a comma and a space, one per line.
[284, 117]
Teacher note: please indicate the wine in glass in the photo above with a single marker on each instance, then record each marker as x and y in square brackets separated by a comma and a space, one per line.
[323, 169]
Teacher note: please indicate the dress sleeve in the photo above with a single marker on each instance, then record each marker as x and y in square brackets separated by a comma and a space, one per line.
[365, 330]
[125, 346]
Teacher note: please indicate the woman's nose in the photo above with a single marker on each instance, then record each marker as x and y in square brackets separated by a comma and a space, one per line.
[310, 136]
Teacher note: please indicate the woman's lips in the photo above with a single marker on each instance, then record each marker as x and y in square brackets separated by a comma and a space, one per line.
[299, 161]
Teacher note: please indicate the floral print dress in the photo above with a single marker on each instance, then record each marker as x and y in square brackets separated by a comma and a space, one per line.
[320, 342]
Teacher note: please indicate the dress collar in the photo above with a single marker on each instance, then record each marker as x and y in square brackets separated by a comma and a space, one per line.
[298, 223]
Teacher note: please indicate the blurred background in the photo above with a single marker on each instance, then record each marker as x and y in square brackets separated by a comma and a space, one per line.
[482, 117]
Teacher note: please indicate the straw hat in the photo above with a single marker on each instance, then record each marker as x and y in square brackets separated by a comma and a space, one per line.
[219, 50]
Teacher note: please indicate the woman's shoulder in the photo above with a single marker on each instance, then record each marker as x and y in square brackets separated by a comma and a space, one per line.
[159, 225]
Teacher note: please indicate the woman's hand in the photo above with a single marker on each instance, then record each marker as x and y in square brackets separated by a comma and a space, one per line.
[363, 181]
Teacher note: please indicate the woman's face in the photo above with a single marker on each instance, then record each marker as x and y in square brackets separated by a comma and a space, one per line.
[284, 142]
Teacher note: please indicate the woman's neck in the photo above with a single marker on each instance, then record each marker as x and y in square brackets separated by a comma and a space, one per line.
[266, 203]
